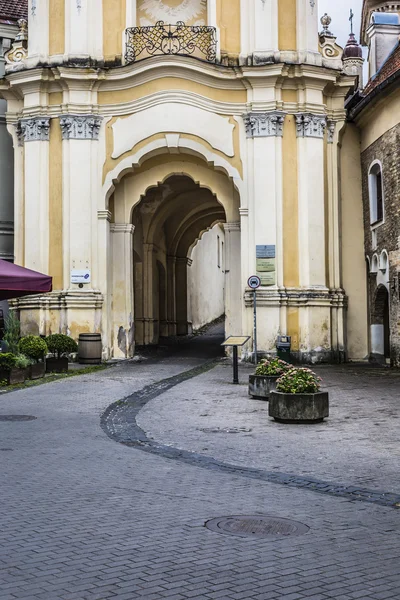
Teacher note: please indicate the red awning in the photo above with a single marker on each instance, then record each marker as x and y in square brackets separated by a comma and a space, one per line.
[17, 281]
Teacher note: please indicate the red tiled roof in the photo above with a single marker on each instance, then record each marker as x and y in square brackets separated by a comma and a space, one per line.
[389, 68]
[12, 10]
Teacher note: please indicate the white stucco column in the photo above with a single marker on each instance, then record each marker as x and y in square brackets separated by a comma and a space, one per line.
[38, 39]
[122, 290]
[6, 188]
[171, 297]
[181, 278]
[310, 139]
[84, 29]
[19, 200]
[105, 274]
[259, 31]
[81, 181]
[233, 287]
[34, 133]
[131, 13]
[307, 27]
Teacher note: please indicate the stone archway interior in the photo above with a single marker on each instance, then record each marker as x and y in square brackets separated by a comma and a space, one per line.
[167, 221]
[380, 328]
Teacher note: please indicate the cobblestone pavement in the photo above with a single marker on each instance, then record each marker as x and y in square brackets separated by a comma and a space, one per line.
[86, 518]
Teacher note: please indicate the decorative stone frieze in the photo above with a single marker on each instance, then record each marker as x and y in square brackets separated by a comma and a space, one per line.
[331, 131]
[34, 129]
[80, 127]
[309, 125]
[264, 124]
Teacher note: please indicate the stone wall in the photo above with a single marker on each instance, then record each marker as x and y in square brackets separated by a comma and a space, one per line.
[386, 236]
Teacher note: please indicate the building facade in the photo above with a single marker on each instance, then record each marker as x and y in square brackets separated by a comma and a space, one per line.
[140, 124]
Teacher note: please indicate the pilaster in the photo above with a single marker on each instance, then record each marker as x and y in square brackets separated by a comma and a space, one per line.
[84, 29]
[233, 289]
[38, 38]
[259, 30]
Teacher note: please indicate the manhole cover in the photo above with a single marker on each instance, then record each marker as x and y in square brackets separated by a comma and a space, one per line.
[17, 418]
[225, 430]
[256, 526]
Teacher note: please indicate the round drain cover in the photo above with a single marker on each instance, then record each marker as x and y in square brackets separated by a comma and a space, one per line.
[256, 526]
[17, 418]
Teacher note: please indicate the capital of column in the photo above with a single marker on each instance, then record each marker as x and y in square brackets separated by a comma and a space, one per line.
[80, 127]
[33, 129]
[104, 215]
[122, 228]
[264, 124]
[232, 226]
[310, 126]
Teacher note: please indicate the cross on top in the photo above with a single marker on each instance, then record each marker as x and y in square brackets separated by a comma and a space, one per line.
[351, 19]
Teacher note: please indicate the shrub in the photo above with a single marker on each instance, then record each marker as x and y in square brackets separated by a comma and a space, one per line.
[59, 344]
[272, 367]
[299, 381]
[33, 346]
[12, 332]
[7, 361]
[22, 361]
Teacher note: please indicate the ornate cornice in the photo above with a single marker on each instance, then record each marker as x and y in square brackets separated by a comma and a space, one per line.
[34, 129]
[80, 127]
[264, 124]
[309, 125]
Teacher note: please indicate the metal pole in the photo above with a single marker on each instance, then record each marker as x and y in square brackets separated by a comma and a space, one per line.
[255, 327]
[235, 365]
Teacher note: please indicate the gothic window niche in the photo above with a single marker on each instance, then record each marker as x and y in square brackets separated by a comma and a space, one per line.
[376, 196]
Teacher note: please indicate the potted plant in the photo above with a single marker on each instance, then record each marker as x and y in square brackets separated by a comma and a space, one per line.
[60, 346]
[9, 371]
[12, 332]
[35, 348]
[267, 373]
[298, 398]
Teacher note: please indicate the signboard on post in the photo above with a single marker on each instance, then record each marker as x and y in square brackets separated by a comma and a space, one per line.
[266, 264]
[235, 341]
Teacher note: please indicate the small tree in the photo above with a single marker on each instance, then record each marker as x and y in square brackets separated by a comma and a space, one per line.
[33, 346]
[59, 344]
[12, 332]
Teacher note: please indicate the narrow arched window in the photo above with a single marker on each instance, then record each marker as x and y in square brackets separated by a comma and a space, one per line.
[376, 200]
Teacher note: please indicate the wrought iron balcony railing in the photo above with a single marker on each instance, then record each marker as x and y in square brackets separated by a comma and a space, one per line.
[197, 41]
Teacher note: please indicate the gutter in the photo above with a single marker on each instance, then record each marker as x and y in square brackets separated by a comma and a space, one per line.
[366, 100]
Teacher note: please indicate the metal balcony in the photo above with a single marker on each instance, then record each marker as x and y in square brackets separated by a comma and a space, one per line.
[180, 39]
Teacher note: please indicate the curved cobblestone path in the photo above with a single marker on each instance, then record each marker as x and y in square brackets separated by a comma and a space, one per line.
[85, 518]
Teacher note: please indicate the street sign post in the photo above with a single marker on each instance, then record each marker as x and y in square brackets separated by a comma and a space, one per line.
[235, 341]
[254, 283]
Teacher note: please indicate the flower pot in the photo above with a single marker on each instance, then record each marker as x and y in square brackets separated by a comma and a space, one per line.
[299, 408]
[260, 386]
[13, 376]
[57, 365]
[37, 370]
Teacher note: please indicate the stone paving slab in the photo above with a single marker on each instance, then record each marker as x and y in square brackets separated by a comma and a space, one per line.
[85, 518]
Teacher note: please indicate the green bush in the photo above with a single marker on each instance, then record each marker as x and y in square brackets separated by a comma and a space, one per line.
[12, 332]
[59, 344]
[33, 346]
[7, 361]
[22, 361]
[299, 381]
[272, 367]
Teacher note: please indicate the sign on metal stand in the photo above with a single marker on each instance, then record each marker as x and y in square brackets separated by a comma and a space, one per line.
[254, 283]
[235, 341]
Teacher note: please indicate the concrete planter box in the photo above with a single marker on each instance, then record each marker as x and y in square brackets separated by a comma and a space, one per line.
[299, 408]
[57, 365]
[37, 370]
[260, 386]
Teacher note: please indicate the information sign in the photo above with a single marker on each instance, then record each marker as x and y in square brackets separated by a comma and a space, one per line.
[235, 341]
[80, 276]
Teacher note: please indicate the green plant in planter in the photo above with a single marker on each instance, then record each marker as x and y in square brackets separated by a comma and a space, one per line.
[299, 381]
[272, 367]
[12, 332]
[33, 346]
[59, 344]
[7, 361]
[22, 361]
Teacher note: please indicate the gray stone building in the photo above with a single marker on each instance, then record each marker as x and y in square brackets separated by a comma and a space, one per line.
[376, 112]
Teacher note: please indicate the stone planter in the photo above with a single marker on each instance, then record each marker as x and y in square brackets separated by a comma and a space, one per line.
[299, 408]
[57, 365]
[37, 370]
[260, 386]
[14, 376]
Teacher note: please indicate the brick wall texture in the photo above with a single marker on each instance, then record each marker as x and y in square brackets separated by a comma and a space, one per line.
[386, 150]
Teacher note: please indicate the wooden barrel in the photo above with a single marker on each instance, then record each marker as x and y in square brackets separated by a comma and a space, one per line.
[89, 348]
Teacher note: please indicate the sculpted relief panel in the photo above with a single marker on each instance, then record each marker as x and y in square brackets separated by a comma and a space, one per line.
[191, 12]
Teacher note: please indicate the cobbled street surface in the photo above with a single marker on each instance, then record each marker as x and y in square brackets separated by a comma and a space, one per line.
[85, 517]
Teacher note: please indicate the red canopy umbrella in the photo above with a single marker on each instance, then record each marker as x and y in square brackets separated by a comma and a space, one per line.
[17, 281]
